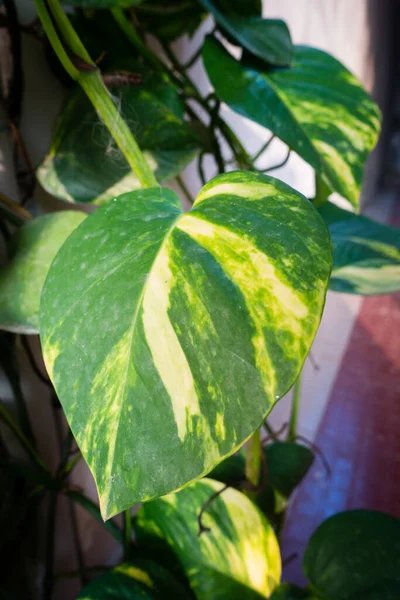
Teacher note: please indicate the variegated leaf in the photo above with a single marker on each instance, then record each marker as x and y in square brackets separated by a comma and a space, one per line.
[137, 580]
[21, 281]
[84, 163]
[316, 107]
[268, 39]
[170, 336]
[237, 556]
[366, 254]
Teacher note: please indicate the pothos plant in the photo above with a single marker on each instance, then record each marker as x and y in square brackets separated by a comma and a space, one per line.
[169, 335]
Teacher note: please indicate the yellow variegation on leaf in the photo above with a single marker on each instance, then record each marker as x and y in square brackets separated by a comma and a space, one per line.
[169, 336]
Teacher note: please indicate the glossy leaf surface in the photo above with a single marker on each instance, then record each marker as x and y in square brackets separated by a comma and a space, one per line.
[352, 552]
[21, 281]
[137, 580]
[268, 39]
[237, 558]
[366, 254]
[84, 163]
[206, 319]
[316, 107]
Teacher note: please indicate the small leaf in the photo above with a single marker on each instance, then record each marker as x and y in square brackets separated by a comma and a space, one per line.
[33, 248]
[237, 558]
[352, 552]
[366, 254]
[268, 39]
[316, 107]
[170, 336]
[85, 165]
[287, 465]
[136, 580]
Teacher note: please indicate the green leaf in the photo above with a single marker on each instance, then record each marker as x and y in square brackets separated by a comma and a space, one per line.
[173, 334]
[237, 558]
[137, 580]
[287, 591]
[243, 8]
[170, 20]
[268, 39]
[388, 589]
[84, 163]
[352, 552]
[316, 107]
[99, 4]
[33, 248]
[287, 465]
[366, 254]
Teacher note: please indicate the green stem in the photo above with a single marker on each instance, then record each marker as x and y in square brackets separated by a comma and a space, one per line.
[294, 414]
[253, 460]
[127, 535]
[184, 189]
[94, 510]
[48, 582]
[93, 85]
[322, 192]
[25, 443]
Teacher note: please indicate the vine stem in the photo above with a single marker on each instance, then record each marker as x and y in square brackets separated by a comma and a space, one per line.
[294, 413]
[322, 192]
[253, 460]
[25, 443]
[127, 535]
[91, 82]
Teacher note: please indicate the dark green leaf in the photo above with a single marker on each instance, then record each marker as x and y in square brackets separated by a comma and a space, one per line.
[33, 248]
[287, 591]
[268, 39]
[99, 4]
[316, 107]
[170, 20]
[190, 326]
[237, 558]
[352, 552]
[243, 8]
[288, 464]
[137, 580]
[84, 163]
[389, 589]
[366, 254]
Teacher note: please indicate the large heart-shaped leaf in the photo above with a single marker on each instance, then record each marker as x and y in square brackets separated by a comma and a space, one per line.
[84, 163]
[366, 254]
[236, 557]
[352, 552]
[33, 248]
[316, 107]
[137, 580]
[269, 39]
[169, 337]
